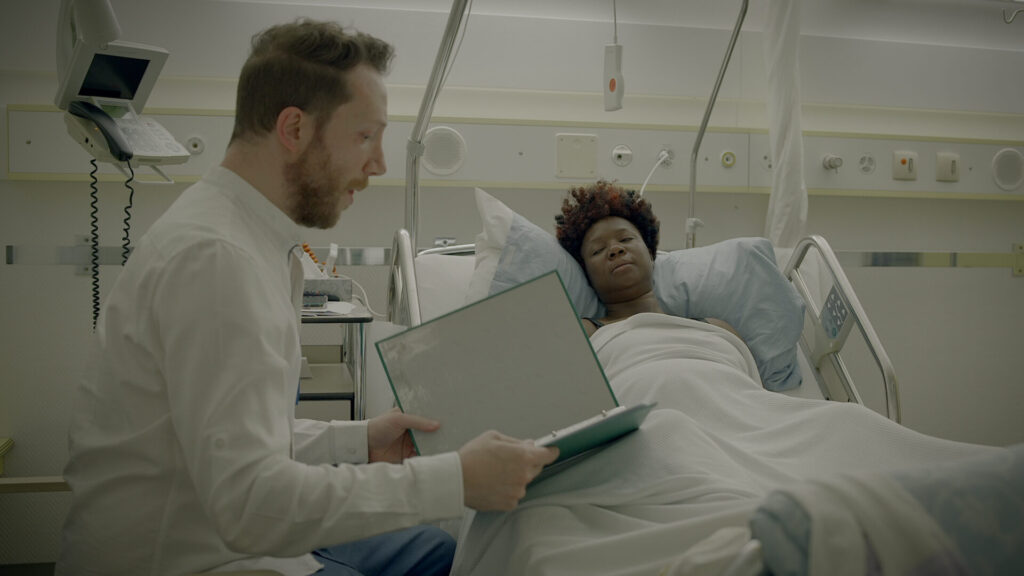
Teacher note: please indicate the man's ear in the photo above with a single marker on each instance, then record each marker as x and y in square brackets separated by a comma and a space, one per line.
[293, 129]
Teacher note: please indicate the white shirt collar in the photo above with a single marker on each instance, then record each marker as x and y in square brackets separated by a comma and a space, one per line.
[283, 230]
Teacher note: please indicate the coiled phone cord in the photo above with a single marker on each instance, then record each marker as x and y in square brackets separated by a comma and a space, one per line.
[94, 244]
[126, 243]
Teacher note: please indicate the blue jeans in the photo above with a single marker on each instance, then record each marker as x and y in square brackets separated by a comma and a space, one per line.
[423, 550]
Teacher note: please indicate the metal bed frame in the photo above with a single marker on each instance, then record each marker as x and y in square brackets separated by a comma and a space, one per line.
[827, 327]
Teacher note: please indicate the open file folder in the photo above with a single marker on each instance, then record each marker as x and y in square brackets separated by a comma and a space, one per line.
[518, 362]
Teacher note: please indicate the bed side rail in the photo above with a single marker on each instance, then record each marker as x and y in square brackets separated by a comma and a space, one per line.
[826, 328]
[452, 250]
[403, 296]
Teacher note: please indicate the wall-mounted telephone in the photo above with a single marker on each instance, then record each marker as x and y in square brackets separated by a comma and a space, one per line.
[115, 133]
[102, 81]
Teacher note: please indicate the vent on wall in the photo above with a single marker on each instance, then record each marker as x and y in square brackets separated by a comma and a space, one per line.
[445, 150]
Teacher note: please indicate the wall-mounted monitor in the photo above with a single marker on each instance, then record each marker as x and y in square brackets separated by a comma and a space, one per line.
[122, 71]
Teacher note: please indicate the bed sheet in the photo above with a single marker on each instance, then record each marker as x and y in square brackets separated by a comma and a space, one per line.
[443, 283]
[703, 461]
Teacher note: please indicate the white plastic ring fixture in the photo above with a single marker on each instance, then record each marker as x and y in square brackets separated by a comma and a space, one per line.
[728, 159]
[1008, 168]
[445, 150]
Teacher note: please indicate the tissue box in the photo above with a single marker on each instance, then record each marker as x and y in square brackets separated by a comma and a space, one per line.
[336, 289]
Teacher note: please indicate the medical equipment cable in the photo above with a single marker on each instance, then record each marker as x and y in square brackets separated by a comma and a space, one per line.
[94, 242]
[126, 239]
[365, 299]
[662, 157]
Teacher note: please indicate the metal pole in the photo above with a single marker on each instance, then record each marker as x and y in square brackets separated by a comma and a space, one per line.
[414, 149]
[692, 222]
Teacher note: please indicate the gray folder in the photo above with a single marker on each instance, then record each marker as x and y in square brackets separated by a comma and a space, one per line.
[518, 362]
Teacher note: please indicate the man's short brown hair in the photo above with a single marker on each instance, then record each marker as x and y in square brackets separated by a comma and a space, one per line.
[302, 64]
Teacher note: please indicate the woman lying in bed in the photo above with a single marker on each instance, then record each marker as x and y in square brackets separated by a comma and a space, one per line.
[613, 234]
[689, 490]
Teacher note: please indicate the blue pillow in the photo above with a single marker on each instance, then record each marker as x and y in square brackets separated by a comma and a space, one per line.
[736, 281]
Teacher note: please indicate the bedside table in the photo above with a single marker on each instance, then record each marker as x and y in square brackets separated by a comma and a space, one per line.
[339, 324]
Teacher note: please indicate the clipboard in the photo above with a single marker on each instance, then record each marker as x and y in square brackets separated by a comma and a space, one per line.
[519, 362]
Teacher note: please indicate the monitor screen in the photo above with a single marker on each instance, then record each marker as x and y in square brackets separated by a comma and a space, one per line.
[112, 76]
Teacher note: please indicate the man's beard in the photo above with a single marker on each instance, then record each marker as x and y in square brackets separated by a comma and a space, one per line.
[314, 188]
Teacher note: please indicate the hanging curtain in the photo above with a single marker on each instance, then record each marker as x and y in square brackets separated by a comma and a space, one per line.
[787, 205]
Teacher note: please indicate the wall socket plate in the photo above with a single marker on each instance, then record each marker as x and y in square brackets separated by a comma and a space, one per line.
[947, 167]
[904, 165]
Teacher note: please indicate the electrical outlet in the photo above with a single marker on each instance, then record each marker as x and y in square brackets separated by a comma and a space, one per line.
[622, 155]
[866, 164]
[671, 156]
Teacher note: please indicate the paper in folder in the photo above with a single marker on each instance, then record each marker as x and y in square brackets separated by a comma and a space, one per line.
[518, 362]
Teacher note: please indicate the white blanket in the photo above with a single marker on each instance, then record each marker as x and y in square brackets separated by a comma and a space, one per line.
[714, 447]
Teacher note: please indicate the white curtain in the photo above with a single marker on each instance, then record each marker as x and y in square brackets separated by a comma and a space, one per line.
[787, 205]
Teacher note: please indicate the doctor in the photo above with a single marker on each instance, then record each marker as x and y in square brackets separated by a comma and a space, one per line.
[185, 454]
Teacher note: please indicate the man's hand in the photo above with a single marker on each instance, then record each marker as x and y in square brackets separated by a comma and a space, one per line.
[387, 435]
[497, 468]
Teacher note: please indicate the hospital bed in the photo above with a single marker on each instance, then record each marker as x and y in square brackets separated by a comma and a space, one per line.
[811, 467]
[426, 284]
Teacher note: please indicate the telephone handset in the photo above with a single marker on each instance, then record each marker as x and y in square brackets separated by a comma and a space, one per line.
[117, 145]
[125, 136]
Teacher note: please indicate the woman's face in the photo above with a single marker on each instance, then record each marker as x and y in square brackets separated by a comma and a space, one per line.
[616, 260]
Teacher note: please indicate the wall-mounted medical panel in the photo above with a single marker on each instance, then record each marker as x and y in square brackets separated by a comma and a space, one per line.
[528, 154]
[523, 154]
[894, 167]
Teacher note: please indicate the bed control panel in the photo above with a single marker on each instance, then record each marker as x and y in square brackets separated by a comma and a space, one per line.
[835, 317]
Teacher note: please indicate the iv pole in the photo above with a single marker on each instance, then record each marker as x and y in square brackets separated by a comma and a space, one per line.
[692, 222]
[414, 148]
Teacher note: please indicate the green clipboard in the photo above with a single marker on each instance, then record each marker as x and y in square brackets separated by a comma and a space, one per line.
[583, 438]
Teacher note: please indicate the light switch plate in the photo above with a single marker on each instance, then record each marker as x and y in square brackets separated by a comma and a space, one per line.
[904, 165]
[947, 167]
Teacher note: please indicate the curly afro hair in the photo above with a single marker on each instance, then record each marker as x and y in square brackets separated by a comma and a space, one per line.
[585, 205]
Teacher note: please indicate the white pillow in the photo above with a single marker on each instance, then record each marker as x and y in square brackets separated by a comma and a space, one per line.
[736, 281]
[442, 281]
